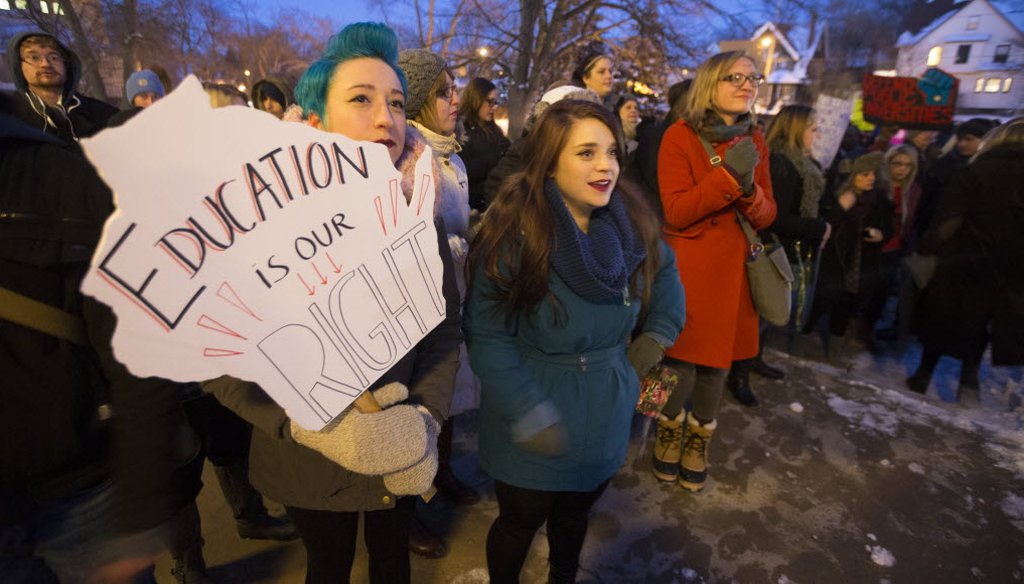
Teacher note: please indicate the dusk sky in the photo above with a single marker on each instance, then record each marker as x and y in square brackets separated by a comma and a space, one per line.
[341, 11]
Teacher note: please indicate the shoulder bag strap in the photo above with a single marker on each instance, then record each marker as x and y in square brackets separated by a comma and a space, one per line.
[42, 317]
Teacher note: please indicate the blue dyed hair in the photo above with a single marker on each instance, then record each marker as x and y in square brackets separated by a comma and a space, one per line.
[357, 40]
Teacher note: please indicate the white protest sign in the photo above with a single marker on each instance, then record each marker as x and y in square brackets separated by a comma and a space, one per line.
[833, 116]
[261, 249]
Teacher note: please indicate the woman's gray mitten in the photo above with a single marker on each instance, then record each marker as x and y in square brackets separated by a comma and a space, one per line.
[418, 478]
[372, 444]
[644, 353]
[741, 158]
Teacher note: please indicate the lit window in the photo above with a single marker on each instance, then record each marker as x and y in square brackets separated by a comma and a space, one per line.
[934, 56]
[963, 53]
[972, 22]
[5, 5]
[1002, 54]
[993, 85]
[58, 9]
[979, 85]
[1006, 84]
[44, 7]
[21, 4]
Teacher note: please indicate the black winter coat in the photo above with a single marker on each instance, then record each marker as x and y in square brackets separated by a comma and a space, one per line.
[872, 209]
[979, 280]
[481, 151]
[54, 440]
[789, 226]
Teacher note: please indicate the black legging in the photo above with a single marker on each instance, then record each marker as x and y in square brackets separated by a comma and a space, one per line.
[330, 540]
[521, 512]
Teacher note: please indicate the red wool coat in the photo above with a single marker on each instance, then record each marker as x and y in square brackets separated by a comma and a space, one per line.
[702, 228]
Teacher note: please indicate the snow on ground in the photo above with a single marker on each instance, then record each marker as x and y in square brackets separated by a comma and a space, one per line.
[1000, 416]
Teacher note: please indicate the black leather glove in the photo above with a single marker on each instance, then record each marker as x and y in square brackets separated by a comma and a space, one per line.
[741, 158]
[644, 353]
[551, 441]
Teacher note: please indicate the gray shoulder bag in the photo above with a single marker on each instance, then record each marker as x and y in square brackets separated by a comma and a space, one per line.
[768, 269]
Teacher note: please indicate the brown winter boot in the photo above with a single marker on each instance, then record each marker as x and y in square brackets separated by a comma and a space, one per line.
[693, 467]
[667, 447]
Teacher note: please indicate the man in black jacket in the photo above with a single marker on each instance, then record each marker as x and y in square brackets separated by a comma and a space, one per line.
[86, 449]
[46, 74]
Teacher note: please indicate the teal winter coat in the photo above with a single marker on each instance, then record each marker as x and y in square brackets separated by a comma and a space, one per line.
[534, 372]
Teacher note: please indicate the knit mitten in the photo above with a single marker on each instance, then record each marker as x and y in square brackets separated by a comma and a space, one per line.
[418, 478]
[644, 353]
[741, 159]
[376, 443]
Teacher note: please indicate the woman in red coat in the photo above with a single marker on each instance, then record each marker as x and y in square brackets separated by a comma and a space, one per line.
[701, 197]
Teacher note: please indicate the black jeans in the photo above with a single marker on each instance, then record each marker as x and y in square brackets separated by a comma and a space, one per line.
[521, 512]
[330, 540]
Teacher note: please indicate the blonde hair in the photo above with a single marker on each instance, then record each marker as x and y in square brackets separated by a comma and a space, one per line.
[1009, 134]
[701, 96]
[905, 150]
[787, 130]
[428, 113]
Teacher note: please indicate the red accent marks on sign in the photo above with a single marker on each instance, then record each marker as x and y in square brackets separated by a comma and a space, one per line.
[213, 352]
[393, 184]
[134, 300]
[209, 323]
[423, 193]
[309, 289]
[323, 280]
[334, 266]
[226, 293]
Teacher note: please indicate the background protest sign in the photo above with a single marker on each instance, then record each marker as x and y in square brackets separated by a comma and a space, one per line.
[833, 117]
[927, 103]
[261, 249]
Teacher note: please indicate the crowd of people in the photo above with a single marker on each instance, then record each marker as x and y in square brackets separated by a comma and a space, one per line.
[578, 258]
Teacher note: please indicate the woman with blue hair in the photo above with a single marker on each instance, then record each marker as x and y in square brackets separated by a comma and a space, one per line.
[327, 479]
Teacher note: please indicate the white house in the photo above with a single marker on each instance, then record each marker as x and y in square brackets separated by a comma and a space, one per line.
[981, 42]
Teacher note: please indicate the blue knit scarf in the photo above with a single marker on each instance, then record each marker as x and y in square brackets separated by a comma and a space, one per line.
[595, 265]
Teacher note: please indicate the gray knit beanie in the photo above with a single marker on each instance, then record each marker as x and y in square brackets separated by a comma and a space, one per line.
[421, 68]
[870, 161]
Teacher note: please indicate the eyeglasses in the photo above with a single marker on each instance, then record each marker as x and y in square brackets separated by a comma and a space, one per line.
[447, 92]
[36, 59]
[492, 101]
[737, 79]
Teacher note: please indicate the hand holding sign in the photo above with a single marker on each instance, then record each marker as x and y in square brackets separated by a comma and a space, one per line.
[269, 251]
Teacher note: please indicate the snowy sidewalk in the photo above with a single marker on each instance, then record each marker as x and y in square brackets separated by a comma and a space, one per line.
[838, 476]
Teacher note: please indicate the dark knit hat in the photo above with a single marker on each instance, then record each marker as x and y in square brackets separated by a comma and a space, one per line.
[870, 161]
[421, 68]
[144, 81]
[975, 127]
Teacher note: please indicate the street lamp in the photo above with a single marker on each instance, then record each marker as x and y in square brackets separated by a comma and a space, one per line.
[483, 52]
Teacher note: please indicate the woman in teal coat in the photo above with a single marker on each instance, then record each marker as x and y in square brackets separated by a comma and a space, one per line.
[564, 268]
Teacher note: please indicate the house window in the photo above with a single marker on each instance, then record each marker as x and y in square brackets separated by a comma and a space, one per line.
[979, 85]
[5, 5]
[1006, 84]
[963, 53]
[972, 22]
[21, 4]
[44, 7]
[1002, 54]
[934, 56]
[993, 85]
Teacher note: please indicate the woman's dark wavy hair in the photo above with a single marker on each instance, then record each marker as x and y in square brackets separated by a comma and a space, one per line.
[514, 245]
[473, 98]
